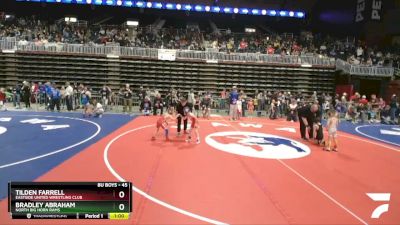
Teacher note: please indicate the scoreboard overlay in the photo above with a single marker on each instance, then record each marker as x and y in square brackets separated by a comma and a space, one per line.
[69, 200]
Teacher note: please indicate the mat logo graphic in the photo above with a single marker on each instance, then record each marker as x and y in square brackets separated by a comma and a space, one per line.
[394, 131]
[3, 130]
[35, 121]
[258, 145]
[380, 197]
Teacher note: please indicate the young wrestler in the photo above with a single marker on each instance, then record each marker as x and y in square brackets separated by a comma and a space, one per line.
[250, 106]
[194, 126]
[317, 132]
[98, 109]
[88, 109]
[331, 126]
[163, 122]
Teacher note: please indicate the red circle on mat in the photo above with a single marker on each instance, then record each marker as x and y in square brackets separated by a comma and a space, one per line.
[237, 189]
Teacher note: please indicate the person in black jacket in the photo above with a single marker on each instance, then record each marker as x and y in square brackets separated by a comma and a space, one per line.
[26, 93]
[307, 118]
[393, 107]
[180, 109]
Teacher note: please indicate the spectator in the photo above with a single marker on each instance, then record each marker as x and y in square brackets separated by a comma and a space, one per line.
[26, 93]
[48, 90]
[63, 97]
[42, 93]
[239, 107]
[126, 93]
[141, 94]
[363, 108]
[105, 94]
[158, 104]
[145, 106]
[385, 115]
[85, 98]
[69, 92]
[273, 114]
[3, 99]
[233, 98]
[206, 105]
[292, 115]
[261, 101]
[55, 98]
[243, 98]
[393, 107]
[17, 96]
[222, 99]
[196, 106]
[191, 97]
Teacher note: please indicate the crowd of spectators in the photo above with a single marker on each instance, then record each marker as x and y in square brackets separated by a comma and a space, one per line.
[192, 38]
[355, 108]
[272, 104]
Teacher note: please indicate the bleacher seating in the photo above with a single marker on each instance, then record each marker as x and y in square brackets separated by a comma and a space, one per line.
[200, 76]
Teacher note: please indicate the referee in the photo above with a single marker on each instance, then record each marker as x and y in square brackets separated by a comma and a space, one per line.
[307, 115]
[180, 109]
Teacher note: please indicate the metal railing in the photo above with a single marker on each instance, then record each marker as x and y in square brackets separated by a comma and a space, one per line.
[397, 71]
[306, 60]
[94, 49]
[8, 44]
[343, 65]
[363, 69]
[142, 52]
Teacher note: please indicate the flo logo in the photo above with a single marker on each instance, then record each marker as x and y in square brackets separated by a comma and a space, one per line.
[258, 145]
[380, 197]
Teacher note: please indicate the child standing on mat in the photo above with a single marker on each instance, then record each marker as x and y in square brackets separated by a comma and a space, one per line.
[331, 126]
[194, 126]
[317, 132]
[250, 106]
[163, 122]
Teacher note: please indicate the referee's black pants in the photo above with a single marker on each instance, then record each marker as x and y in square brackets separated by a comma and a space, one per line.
[303, 129]
[184, 124]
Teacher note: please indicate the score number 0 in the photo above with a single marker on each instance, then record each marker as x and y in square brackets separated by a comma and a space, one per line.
[121, 195]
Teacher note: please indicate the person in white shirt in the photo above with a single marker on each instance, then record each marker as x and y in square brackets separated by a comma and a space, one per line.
[69, 92]
[98, 109]
[360, 51]
[191, 98]
[292, 115]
